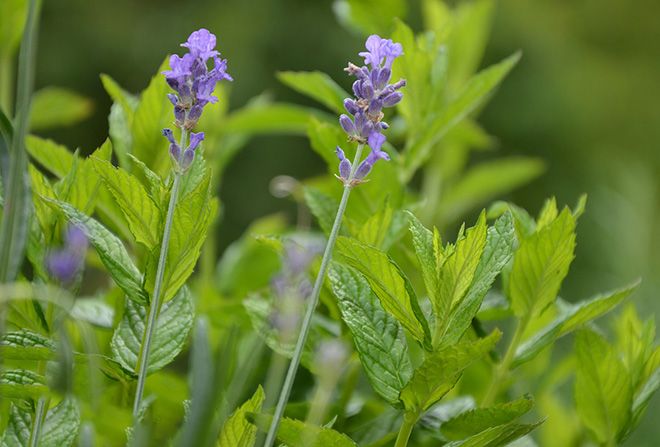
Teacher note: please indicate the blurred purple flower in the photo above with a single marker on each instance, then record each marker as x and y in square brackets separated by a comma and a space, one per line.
[373, 92]
[192, 80]
[65, 264]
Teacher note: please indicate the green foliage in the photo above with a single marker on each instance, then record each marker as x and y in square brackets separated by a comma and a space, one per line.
[318, 86]
[294, 432]
[60, 427]
[172, 329]
[238, 431]
[57, 107]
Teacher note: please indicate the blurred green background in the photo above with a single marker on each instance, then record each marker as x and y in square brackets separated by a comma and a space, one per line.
[585, 98]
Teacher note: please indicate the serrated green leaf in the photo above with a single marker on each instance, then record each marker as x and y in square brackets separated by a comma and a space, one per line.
[57, 107]
[496, 436]
[139, 209]
[457, 273]
[111, 250]
[390, 285]
[500, 243]
[60, 427]
[603, 393]
[441, 369]
[423, 243]
[26, 345]
[192, 218]
[22, 384]
[571, 317]
[316, 85]
[322, 206]
[238, 431]
[378, 337]
[472, 95]
[297, 433]
[172, 328]
[486, 181]
[375, 229]
[548, 214]
[540, 265]
[473, 421]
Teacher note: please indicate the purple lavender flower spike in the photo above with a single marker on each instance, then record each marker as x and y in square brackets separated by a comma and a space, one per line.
[373, 92]
[344, 164]
[65, 264]
[191, 78]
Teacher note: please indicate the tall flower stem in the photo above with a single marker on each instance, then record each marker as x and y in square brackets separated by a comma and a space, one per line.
[313, 301]
[39, 418]
[409, 421]
[154, 307]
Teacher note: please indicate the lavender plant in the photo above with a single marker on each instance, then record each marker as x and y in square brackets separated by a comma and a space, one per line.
[407, 336]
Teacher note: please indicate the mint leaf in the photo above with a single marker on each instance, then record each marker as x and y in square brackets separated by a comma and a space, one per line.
[237, 430]
[316, 85]
[378, 337]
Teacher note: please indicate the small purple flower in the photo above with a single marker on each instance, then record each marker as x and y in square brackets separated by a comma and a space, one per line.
[192, 80]
[183, 159]
[65, 264]
[373, 92]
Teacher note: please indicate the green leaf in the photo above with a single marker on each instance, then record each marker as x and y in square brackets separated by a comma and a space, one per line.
[152, 115]
[457, 272]
[473, 421]
[125, 100]
[12, 21]
[93, 311]
[322, 206]
[471, 96]
[371, 16]
[142, 214]
[297, 433]
[60, 427]
[316, 85]
[192, 217]
[238, 431]
[52, 156]
[375, 229]
[378, 337]
[540, 265]
[500, 243]
[324, 138]
[603, 393]
[270, 118]
[26, 345]
[572, 316]
[172, 328]
[390, 285]
[22, 384]
[487, 181]
[502, 435]
[425, 249]
[441, 369]
[58, 107]
[110, 249]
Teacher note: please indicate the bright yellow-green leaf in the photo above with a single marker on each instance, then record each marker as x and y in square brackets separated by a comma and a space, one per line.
[238, 431]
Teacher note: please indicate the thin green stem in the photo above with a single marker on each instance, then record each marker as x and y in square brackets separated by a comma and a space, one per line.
[502, 369]
[154, 307]
[39, 417]
[6, 81]
[313, 301]
[409, 421]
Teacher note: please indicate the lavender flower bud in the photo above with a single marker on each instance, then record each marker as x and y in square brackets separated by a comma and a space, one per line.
[344, 164]
[351, 106]
[392, 99]
[347, 124]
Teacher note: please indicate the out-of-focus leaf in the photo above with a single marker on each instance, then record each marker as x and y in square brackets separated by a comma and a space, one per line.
[172, 328]
[58, 107]
[93, 311]
[270, 118]
[487, 181]
[389, 284]
[472, 95]
[324, 138]
[323, 207]
[501, 435]
[378, 337]
[13, 14]
[370, 16]
[603, 393]
[60, 427]
[293, 432]
[540, 265]
[316, 85]
[26, 345]
[22, 384]
[571, 317]
[142, 214]
[238, 431]
[441, 369]
[56, 158]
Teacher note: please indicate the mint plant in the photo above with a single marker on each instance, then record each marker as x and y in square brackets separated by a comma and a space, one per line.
[388, 323]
